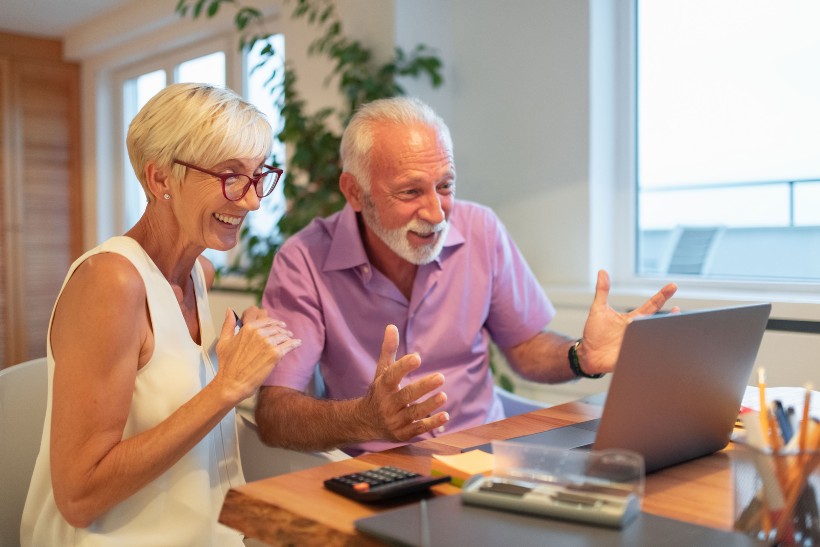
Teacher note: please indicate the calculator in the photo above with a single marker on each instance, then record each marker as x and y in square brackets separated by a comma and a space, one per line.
[382, 483]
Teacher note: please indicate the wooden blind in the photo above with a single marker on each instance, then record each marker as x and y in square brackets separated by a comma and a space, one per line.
[4, 175]
[41, 190]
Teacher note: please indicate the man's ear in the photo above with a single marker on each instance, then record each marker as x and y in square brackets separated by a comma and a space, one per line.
[157, 179]
[351, 190]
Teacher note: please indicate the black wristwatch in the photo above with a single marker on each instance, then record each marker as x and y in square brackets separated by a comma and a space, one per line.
[575, 364]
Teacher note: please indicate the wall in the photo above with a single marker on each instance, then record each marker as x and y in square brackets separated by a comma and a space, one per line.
[532, 98]
[517, 103]
[149, 27]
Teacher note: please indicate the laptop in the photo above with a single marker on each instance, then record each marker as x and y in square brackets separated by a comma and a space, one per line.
[676, 389]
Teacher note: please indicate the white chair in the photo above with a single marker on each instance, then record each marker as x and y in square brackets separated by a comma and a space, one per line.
[516, 404]
[23, 398]
[260, 461]
[23, 395]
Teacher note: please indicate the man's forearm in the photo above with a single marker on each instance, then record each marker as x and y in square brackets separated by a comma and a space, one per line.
[542, 358]
[293, 420]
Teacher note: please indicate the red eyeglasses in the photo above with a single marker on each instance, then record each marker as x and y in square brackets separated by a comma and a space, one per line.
[236, 185]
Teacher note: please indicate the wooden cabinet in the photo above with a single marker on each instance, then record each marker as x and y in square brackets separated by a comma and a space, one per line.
[40, 188]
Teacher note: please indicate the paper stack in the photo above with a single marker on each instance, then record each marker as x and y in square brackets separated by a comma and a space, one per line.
[462, 466]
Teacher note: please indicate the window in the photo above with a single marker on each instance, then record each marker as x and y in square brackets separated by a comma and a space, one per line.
[259, 83]
[140, 83]
[728, 169]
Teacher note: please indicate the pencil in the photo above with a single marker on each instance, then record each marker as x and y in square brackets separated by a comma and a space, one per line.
[804, 423]
[806, 464]
[764, 409]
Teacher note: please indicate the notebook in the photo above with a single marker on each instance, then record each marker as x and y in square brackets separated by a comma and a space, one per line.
[449, 523]
[677, 386]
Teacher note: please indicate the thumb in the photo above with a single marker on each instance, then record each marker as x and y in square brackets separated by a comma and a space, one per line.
[390, 346]
[228, 325]
[601, 289]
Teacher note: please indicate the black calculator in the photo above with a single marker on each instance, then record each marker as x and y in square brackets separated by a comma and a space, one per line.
[382, 483]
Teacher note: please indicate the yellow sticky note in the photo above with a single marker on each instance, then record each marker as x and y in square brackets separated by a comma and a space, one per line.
[462, 466]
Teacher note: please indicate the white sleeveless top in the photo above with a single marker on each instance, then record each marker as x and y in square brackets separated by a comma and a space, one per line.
[180, 507]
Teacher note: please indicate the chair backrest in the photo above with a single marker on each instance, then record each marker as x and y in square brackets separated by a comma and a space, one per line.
[516, 404]
[260, 461]
[23, 394]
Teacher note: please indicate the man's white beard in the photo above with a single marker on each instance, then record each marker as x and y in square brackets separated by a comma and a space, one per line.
[396, 239]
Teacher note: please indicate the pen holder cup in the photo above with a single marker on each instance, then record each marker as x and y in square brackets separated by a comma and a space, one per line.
[776, 495]
[619, 469]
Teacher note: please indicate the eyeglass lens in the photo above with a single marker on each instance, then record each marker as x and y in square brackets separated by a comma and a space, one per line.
[236, 186]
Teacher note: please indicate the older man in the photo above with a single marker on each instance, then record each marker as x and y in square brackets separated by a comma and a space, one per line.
[404, 257]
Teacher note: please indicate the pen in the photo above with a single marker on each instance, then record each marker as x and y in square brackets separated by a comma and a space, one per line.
[775, 441]
[783, 421]
[790, 412]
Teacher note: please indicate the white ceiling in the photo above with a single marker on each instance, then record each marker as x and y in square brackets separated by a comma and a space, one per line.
[52, 18]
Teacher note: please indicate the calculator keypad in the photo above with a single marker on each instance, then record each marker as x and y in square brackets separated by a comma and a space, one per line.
[381, 483]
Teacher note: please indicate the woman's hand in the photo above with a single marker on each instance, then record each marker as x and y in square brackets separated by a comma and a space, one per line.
[248, 357]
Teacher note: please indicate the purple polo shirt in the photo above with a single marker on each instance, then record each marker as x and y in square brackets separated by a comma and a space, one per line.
[323, 286]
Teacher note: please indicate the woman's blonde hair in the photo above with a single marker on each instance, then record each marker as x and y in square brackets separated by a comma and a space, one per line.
[199, 124]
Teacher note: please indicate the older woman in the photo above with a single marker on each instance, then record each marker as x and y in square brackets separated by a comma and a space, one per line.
[139, 445]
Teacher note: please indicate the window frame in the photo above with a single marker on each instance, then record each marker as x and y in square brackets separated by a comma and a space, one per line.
[167, 61]
[623, 229]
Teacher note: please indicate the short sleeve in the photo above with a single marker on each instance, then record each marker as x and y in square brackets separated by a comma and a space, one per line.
[291, 295]
[519, 308]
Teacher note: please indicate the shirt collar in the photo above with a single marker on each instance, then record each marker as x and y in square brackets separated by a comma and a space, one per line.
[347, 249]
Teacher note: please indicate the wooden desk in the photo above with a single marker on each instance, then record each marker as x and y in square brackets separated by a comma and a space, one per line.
[296, 508]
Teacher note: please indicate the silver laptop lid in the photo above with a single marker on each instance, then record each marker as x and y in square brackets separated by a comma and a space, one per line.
[679, 381]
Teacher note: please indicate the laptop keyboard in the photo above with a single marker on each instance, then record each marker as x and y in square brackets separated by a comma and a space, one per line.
[576, 436]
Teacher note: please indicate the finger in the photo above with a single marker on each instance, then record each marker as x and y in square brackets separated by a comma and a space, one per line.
[287, 346]
[395, 374]
[655, 304]
[601, 289]
[420, 388]
[271, 326]
[267, 327]
[390, 345]
[279, 338]
[421, 410]
[253, 313]
[228, 325]
[266, 321]
[419, 427]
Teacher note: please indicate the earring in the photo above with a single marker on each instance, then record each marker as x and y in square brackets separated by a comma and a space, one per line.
[167, 196]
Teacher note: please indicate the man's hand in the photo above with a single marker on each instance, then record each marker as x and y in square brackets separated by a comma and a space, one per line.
[395, 412]
[604, 329]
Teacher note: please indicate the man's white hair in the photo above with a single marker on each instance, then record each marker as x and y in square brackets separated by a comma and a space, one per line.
[357, 139]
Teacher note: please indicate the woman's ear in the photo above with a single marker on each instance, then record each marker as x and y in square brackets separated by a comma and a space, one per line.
[351, 190]
[158, 180]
